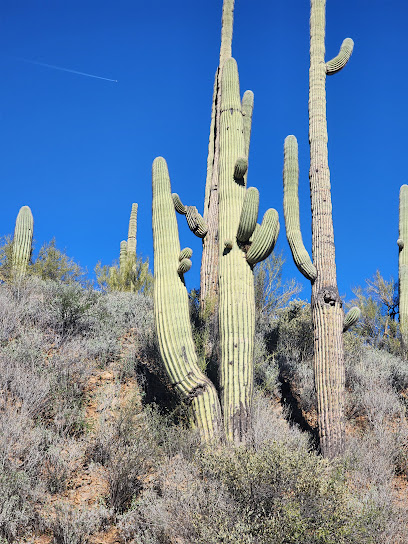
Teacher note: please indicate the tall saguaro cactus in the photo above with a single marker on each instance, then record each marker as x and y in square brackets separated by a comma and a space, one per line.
[403, 264]
[22, 241]
[242, 244]
[327, 310]
[172, 313]
[238, 212]
[210, 255]
[131, 241]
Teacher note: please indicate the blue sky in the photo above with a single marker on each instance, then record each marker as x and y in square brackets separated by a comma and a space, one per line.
[78, 150]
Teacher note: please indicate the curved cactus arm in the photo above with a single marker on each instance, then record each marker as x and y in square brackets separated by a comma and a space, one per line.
[122, 256]
[291, 210]
[131, 242]
[247, 110]
[185, 253]
[22, 240]
[335, 65]
[172, 313]
[265, 238]
[249, 215]
[178, 205]
[195, 222]
[351, 318]
[240, 168]
[184, 266]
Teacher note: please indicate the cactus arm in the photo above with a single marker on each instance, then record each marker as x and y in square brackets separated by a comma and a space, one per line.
[264, 239]
[247, 109]
[178, 205]
[185, 253]
[172, 312]
[240, 169]
[122, 256]
[184, 266]
[195, 222]
[131, 242]
[339, 62]
[291, 209]
[249, 215]
[22, 241]
[351, 318]
[403, 264]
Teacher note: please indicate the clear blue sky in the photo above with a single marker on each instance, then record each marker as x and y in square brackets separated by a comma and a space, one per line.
[78, 150]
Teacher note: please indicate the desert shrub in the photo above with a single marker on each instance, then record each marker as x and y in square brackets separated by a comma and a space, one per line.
[70, 525]
[125, 447]
[118, 314]
[269, 495]
[16, 508]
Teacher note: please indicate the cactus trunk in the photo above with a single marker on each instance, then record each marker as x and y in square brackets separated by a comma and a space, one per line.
[210, 255]
[327, 311]
[236, 284]
[403, 265]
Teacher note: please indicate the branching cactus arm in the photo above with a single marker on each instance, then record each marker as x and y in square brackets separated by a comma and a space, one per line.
[291, 209]
[122, 256]
[351, 318]
[339, 62]
[172, 314]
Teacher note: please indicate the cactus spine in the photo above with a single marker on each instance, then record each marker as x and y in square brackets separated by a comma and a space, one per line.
[327, 310]
[22, 241]
[403, 264]
[172, 313]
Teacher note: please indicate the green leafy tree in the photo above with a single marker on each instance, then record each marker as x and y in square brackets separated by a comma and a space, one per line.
[129, 277]
[271, 292]
[378, 302]
[51, 263]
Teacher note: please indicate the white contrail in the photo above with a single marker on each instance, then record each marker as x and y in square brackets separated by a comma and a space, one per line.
[65, 69]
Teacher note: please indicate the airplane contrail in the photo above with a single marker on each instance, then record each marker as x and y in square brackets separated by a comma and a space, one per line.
[65, 69]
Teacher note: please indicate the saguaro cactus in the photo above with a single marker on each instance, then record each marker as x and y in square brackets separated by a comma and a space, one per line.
[238, 212]
[124, 278]
[210, 255]
[403, 264]
[242, 245]
[327, 310]
[131, 241]
[22, 241]
[171, 310]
